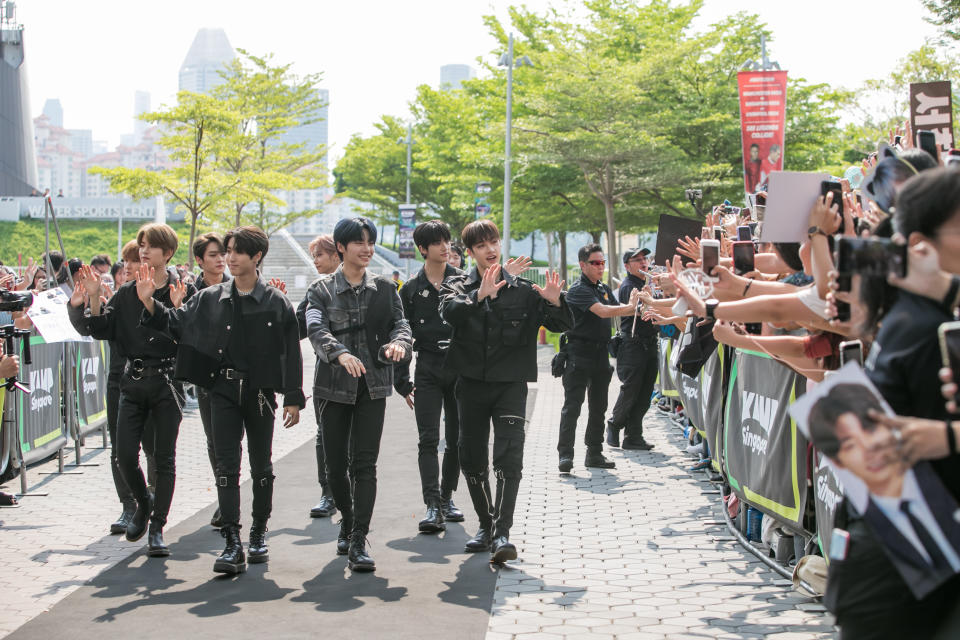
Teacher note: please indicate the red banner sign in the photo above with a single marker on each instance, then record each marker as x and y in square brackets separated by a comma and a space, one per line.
[763, 112]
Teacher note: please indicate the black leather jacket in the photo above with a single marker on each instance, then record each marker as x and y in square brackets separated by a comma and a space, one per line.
[201, 327]
[496, 340]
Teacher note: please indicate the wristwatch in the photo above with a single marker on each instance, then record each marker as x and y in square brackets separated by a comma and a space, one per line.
[711, 307]
[812, 231]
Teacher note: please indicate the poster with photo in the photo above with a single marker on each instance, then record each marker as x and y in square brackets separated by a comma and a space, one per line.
[909, 509]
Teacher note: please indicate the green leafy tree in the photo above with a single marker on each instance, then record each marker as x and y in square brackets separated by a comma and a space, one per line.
[946, 15]
[270, 101]
[196, 129]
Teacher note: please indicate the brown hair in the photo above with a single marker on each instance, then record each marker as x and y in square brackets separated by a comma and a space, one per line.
[323, 243]
[202, 241]
[159, 235]
[479, 231]
[131, 252]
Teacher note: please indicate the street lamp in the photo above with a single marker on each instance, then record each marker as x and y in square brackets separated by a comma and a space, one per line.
[506, 60]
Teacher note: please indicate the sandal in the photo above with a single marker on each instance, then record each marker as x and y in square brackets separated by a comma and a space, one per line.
[8, 500]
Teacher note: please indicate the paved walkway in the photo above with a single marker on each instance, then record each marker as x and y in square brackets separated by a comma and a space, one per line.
[625, 553]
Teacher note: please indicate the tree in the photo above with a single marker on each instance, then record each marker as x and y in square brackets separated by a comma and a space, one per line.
[946, 15]
[270, 101]
[196, 129]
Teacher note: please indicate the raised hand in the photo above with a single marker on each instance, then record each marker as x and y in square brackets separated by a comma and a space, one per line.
[90, 279]
[79, 294]
[489, 287]
[634, 298]
[516, 266]
[689, 247]
[277, 283]
[825, 214]
[146, 287]
[177, 293]
[551, 291]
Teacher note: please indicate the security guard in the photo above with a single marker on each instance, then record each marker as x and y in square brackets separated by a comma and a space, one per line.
[493, 350]
[588, 368]
[636, 362]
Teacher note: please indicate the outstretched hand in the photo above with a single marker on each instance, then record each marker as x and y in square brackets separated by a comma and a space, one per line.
[146, 287]
[516, 266]
[489, 287]
[277, 283]
[177, 293]
[552, 288]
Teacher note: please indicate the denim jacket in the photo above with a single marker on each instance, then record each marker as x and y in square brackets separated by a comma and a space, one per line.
[361, 321]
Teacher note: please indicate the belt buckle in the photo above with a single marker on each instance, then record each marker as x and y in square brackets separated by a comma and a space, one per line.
[230, 374]
[136, 369]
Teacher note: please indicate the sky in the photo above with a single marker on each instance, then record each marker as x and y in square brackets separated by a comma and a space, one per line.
[374, 53]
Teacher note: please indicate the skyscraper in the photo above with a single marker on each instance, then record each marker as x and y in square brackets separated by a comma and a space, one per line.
[18, 160]
[141, 104]
[453, 75]
[210, 51]
[54, 111]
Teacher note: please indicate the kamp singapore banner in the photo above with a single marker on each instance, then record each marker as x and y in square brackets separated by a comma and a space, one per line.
[764, 453]
[91, 376]
[41, 419]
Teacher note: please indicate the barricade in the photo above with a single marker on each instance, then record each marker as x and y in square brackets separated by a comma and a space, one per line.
[738, 402]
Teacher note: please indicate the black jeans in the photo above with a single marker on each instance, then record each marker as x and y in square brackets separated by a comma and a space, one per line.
[351, 440]
[158, 402]
[233, 415]
[203, 402]
[436, 391]
[637, 368]
[587, 374]
[321, 456]
[503, 403]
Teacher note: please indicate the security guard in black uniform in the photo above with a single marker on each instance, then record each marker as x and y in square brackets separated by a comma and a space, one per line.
[636, 363]
[588, 369]
[494, 351]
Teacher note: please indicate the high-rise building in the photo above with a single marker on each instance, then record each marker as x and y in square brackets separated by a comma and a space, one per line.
[141, 104]
[81, 141]
[210, 51]
[453, 75]
[315, 133]
[54, 111]
[18, 160]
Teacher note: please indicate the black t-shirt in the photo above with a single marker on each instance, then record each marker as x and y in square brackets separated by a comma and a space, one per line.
[587, 325]
[236, 356]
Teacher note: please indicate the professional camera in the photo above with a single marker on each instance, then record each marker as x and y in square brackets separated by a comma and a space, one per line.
[15, 300]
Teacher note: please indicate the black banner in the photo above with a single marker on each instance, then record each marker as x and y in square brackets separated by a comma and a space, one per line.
[711, 393]
[764, 452]
[827, 494]
[931, 109]
[671, 229]
[42, 428]
[90, 376]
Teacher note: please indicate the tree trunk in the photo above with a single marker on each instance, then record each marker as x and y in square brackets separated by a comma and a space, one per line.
[595, 236]
[611, 241]
[533, 244]
[193, 231]
[563, 255]
[550, 257]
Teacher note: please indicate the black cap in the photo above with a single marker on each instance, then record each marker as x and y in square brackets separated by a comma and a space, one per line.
[630, 254]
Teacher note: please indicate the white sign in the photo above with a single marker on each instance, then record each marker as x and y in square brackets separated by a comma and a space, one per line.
[49, 316]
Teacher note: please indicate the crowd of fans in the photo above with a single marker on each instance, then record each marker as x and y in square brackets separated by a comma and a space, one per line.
[844, 292]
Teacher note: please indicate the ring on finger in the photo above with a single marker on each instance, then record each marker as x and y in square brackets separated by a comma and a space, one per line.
[897, 436]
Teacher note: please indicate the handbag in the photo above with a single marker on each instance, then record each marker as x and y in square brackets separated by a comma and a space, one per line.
[559, 363]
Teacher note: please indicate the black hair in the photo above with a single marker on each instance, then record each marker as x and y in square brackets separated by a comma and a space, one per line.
[843, 398]
[755, 145]
[429, 233]
[789, 252]
[894, 170]
[479, 231]
[351, 230]
[457, 248]
[203, 241]
[56, 260]
[115, 268]
[99, 260]
[74, 264]
[248, 240]
[584, 253]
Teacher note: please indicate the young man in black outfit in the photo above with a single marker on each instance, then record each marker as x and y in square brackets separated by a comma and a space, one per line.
[147, 388]
[493, 350]
[356, 325]
[210, 255]
[240, 340]
[588, 365]
[637, 362]
[435, 385]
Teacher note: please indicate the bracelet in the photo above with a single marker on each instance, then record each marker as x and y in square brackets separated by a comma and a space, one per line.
[746, 288]
[950, 299]
[951, 439]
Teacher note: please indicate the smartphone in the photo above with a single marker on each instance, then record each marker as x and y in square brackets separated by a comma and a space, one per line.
[710, 255]
[897, 140]
[743, 257]
[828, 186]
[851, 350]
[949, 333]
[744, 233]
[762, 199]
[843, 311]
[927, 141]
[718, 233]
[871, 257]
[753, 328]
[753, 228]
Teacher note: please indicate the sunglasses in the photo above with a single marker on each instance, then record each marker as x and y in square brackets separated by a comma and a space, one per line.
[597, 263]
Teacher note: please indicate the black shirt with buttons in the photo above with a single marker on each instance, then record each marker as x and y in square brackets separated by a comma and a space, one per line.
[588, 326]
[421, 306]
